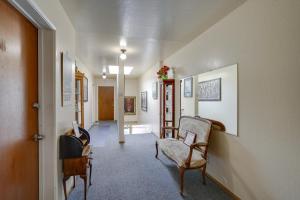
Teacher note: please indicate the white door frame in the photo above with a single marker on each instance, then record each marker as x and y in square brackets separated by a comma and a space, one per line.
[46, 95]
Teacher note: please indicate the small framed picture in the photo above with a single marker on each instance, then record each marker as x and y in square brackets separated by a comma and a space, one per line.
[76, 129]
[129, 105]
[66, 79]
[85, 90]
[155, 90]
[210, 90]
[144, 105]
[189, 138]
[188, 87]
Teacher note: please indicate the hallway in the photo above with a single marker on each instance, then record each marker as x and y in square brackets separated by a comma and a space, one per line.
[221, 76]
[130, 171]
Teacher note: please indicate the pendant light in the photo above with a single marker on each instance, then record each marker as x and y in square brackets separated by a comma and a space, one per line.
[123, 56]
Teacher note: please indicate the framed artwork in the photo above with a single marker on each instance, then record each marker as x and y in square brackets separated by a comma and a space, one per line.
[144, 101]
[129, 105]
[66, 79]
[85, 90]
[209, 90]
[155, 90]
[188, 87]
[189, 138]
[76, 129]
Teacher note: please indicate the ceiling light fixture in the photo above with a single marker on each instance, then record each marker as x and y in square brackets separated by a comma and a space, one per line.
[112, 69]
[104, 73]
[115, 69]
[127, 70]
[123, 43]
[123, 56]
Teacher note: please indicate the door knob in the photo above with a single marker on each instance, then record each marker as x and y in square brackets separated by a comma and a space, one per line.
[38, 137]
[36, 105]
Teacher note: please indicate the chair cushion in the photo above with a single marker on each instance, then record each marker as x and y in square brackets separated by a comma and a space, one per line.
[199, 126]
[178, 152]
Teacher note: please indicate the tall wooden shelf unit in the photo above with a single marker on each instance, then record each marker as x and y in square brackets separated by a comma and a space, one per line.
[167, 105]
[79, 103]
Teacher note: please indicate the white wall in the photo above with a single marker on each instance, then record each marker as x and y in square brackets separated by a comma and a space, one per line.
[225, 110]
[151, 117]
[262, 36]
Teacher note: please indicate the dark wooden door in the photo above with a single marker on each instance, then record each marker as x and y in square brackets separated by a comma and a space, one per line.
[18, 119]
[106, 103]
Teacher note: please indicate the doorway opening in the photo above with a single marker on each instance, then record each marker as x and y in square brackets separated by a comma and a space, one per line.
[106, 102]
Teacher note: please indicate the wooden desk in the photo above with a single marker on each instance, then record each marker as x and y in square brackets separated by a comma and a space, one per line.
[75, 153]
[78, 166]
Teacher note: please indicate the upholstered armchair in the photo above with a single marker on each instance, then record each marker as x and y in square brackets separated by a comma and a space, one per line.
[187, 155]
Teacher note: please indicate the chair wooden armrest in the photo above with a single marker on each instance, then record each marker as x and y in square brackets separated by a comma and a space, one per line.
[192, 146]
[199, 144]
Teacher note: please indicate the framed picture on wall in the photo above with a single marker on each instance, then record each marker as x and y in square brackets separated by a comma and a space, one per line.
[85, 90]
[155, 90]
[209, 90]
[66, 79]
[189, 138]
[144, 105]
[188, 87]
[129, 105]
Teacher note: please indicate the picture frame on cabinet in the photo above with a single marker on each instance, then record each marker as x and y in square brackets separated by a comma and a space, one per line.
[144, 102]
[85, 89]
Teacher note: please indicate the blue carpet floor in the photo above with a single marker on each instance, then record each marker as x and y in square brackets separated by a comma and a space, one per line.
[130, 171]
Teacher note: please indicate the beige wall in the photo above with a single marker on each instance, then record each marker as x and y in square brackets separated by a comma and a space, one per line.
[262, 36]
[65, 42]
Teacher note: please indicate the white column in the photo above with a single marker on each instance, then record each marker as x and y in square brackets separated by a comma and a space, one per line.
[121, 91]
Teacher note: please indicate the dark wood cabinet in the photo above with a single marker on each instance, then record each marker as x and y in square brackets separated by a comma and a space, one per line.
[79, 103]
[167, 105]
[75, 153]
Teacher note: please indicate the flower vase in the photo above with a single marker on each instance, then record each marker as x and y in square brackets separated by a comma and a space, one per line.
[170, 73]
[164, 77]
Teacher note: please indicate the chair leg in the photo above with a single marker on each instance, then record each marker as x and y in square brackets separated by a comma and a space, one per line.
[181, 174]
[156, 145]
[84, 177]
[203, 174]
[91, 168]
[74, 181]
[65, 188]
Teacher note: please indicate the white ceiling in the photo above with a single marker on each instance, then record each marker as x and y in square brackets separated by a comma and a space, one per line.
[153, 29]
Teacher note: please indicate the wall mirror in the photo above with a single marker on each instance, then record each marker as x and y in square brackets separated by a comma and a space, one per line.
[215, 96]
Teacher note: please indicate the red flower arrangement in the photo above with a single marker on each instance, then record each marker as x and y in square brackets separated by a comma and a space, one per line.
[163, 72]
